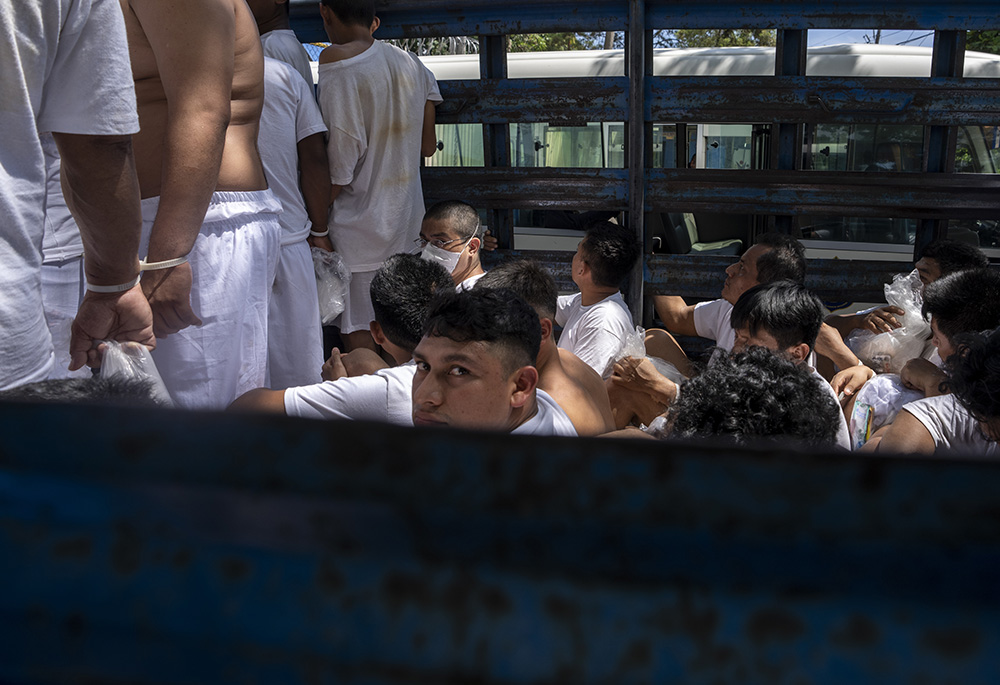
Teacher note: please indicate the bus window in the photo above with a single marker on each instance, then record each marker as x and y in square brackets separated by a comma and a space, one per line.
[863, 147]
[978, 150]
[572, 147]
[458, 145]
[982, 232]
[875, 230]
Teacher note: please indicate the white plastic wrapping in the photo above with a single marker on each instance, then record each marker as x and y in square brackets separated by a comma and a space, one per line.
[332, 279]
[889, 352]
[133, 361]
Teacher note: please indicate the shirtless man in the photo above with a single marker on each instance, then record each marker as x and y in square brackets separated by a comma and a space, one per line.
[210, 230]
[575, 387]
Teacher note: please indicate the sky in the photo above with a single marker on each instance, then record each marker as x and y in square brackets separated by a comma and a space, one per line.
[917, 38]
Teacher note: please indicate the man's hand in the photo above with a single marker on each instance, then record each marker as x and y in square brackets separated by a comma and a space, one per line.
[850, 380]
[333, 368]
[109, 316]
[323, 243]
[921, 375]
[639, 374]
[490, 241]
[882, 320]
[169, 295]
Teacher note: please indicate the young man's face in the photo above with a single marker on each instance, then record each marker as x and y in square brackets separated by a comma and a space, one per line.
[742, 275]
[460, 384]
[940, 341]
[440, 234]
[579, 259]
[928, 269]
[762, 338]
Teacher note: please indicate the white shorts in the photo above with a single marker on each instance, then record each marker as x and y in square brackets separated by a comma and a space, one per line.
[233, 263]
[294, 334]
[358, 312]
[62, 291]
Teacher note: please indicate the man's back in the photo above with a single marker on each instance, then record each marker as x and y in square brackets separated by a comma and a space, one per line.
[579, 390]
[222, 33]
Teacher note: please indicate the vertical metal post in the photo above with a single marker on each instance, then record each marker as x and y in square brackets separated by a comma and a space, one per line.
[786, 150]
[947, 61]
[638, 43]
[493, 65]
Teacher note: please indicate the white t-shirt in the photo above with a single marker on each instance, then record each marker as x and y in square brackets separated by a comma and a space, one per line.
[711, 320]
[290, 114]
[468, 283]
[373, 104]
[596, 332]
[283, 45]
[61, 239]
[64, 66]
[550, 419]
[382, 396]
[951, 426]
[843, 434]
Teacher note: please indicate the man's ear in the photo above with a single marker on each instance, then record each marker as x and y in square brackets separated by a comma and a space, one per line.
[375, 24]
[546, 325]
[525, 381]
[474, 245]
[377, 335]
[798, 353]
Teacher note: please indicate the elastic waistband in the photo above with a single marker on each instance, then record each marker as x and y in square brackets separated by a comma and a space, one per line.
[226, 205]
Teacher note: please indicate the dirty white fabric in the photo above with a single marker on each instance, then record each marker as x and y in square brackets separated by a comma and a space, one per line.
[233, 264]
[843, 434]
[382, 396]
[711, 320]
[358, 311]
[373, 105]
[64, 67]
[295, 336]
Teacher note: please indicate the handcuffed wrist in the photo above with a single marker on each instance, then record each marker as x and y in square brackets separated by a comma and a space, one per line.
[120, 288]
[319, 234]
[165, 264]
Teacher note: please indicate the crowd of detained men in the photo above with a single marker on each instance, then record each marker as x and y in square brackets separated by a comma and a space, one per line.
[169, 169]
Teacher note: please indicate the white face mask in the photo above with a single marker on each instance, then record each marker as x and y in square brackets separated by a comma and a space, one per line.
[439, 255]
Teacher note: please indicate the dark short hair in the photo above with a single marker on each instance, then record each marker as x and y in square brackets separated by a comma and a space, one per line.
[353, 12]
[964, 302]
[953, 255]
[784, 261]
[755, 395]
[401, 291]
[610, 250]
[461, 217]
[116, 391]
[530, 280]
[974, 374]
[786, 310]
[497, 317]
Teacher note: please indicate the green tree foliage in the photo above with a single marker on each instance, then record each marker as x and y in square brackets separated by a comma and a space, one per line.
[719, 38]
[543, 42]
[983, 41]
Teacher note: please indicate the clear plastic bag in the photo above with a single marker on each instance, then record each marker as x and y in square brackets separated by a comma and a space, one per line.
[877, 404]
[132, 361]
[332, 279]
[634, 345]
[888, 352]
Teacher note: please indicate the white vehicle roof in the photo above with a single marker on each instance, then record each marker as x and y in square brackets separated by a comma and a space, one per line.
[830, 60]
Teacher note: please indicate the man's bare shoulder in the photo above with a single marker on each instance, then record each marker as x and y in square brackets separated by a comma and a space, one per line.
[340, 52]
[581, 393]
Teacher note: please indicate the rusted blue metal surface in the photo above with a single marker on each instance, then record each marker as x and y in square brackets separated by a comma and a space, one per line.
[161, 547]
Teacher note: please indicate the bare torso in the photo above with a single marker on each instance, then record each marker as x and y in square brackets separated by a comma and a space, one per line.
[579, 390]
[240, 167]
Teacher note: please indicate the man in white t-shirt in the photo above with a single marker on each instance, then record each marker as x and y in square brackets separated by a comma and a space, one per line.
[968, 419]
[378, 102]
[476, 367]
[293, 150]
[596, 320]
[65, 70]
[401, 292]
[449, 235]
[278, 39]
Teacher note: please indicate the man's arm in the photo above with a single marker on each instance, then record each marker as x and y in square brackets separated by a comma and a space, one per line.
[906, 434]
[102, 191]
[830, 344]
[314, 179]
[194, 46]
[676, 314]
[260, 399]
[428, 142]
[880, 320]
[923, 376]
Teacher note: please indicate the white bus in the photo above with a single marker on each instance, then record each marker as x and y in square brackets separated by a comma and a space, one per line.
[828, 147]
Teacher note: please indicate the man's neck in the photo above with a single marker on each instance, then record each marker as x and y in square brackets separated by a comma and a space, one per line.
[592, 294]
[524, 413]
[548, 357]
[277, 22]
[474, 269]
